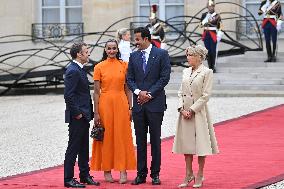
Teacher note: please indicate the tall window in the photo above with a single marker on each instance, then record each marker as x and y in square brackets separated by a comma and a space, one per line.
[61, 11]
[58, 19]
[166, 9]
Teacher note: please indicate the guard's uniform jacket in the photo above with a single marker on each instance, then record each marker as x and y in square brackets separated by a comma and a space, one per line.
[157, 33]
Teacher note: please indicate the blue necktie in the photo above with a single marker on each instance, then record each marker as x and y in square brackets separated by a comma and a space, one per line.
[143, 60]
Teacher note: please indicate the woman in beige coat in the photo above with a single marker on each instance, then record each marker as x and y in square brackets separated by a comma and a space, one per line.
[195, 133]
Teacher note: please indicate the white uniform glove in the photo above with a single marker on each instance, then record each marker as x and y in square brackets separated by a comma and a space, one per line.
[163, 45]
[219, 35]
[278, 26]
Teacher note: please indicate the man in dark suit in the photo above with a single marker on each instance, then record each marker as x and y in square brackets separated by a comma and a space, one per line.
[148, 73]
[78, 113]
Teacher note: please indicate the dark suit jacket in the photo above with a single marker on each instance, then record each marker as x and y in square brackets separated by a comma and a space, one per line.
[77, 93]
[154, 80]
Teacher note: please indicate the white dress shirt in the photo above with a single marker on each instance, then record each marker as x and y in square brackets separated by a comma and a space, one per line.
[147, 54]
[81, 65]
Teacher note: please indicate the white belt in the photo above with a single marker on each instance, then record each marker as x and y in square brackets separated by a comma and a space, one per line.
[210, 28]
[155, 37]
[271, 16]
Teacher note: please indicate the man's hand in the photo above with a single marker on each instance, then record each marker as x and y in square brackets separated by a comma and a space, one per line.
[143, 97]
[79, 116]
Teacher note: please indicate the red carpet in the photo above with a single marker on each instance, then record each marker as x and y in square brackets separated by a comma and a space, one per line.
[251, 155]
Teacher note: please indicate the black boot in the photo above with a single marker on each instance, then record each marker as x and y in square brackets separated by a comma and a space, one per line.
[213, 62]
[268, 50]
[273, 57]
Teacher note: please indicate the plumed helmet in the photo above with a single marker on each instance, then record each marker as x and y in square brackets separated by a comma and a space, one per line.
[154, 9]
[211, 3]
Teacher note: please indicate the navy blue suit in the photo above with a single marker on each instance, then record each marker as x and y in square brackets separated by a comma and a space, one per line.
[155, 78]
[78, 101]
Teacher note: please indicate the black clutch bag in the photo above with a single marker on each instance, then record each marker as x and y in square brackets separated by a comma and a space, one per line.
[97, 132]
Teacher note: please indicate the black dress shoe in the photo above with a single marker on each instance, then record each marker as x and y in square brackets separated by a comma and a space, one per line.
[139, 180]
[74, 184]
[156, 180]
[268, 59]
[89, 180]
[273, 59]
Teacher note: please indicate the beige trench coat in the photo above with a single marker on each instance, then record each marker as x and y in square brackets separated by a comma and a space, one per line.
[195, 136]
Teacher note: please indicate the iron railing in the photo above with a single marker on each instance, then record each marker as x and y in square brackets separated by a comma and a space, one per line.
[56, 31]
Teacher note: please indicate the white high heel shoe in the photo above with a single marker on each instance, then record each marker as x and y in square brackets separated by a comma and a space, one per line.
[186, 181]
[108, 177]
[199, 185]
[123, 177]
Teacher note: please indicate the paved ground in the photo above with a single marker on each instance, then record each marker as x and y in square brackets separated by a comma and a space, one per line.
[33, 134]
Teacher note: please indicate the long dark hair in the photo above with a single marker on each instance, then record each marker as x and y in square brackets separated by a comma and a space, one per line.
[105, 54]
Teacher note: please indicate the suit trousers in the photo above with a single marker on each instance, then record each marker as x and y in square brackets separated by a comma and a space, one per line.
[210, 45]
[78, 145]
[270, 34]
[143, 120]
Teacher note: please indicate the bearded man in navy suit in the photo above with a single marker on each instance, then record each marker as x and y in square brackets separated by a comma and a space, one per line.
[148, 73]
[78, 113]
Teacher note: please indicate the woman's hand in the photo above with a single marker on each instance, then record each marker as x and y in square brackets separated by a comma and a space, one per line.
[97, 118]
[130, 114]
[186, 114]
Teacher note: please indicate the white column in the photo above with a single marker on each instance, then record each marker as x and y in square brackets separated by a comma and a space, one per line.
[62, 11]
[162, 9]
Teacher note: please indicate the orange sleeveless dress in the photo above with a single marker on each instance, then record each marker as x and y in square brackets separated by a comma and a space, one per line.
[117, 150]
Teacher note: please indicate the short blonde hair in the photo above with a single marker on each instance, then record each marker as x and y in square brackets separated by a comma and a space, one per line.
[197, 50]
[120, 33]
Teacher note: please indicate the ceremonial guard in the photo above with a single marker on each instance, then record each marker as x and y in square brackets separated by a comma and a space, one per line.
[211, 22]
[156, 28]
[272, 13]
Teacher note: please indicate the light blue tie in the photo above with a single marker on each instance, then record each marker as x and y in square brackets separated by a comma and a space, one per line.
[143, 60]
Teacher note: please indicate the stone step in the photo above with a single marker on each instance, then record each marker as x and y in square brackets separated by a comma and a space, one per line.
[242, 78]
[240, 85]
[251, 75]
[271, 70]
[246, 59]
[172, 86]
[248, 87]
[250, 64]
[253, 56]
[256, 54]
[234, 76]
[250, 82]
[237, 93]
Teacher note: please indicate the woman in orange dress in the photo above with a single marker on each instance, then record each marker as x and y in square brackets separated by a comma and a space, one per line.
[112, 108]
